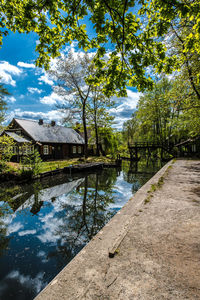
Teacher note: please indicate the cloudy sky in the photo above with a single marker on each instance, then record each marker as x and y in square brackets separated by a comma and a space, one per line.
[31, 88]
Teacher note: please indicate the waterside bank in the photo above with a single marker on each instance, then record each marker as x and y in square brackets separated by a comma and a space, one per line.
[27, 176]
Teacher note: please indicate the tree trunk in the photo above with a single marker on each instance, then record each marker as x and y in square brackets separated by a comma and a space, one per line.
[96, 135]
[85, 131]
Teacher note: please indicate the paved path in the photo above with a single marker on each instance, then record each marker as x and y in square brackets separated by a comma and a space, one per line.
[157, 237]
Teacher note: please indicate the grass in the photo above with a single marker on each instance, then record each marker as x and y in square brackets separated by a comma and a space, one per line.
[59, 164]
[156, 186]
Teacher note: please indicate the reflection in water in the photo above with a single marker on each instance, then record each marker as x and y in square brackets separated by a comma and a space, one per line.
[45, 224]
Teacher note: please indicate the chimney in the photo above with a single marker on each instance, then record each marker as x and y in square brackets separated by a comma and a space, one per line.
[40, 122]
[53, 123]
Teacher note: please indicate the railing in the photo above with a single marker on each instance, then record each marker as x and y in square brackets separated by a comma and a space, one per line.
[145, 144]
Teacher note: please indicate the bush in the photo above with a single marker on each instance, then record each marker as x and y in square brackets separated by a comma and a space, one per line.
[32, 163]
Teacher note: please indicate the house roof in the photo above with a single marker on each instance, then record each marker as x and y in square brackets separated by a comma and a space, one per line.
[17, 137]
[46, 133]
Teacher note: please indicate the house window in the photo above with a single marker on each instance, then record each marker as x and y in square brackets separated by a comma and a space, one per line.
[25, 150]
[29, 149]
[45, 149]
[74, 149]
[79, 149]
[20, 150]
[15, 148]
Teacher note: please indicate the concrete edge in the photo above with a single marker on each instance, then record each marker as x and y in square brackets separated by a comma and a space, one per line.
[109, 237]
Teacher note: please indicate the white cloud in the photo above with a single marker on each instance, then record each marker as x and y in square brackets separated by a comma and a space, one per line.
[126, 107]
[10, 99]
[45, 78]
[6, 70]
[25, 65]
[34, 90]
[52, 99]
[55, 115]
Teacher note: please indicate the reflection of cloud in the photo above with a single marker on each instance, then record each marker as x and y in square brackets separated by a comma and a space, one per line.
[26, 232]
[123, 192]
[35, 284]
[52, 221]
[42, 255]
[50, 226]
[15, 227]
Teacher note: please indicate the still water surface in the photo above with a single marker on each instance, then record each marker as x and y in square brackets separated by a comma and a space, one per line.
[43, 225]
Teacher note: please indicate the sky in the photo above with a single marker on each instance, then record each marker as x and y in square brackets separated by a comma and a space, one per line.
[31, 88]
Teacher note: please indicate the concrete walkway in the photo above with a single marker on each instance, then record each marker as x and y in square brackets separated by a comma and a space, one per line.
[156, 238]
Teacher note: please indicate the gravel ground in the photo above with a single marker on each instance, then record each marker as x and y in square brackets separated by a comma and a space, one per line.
[159, 254]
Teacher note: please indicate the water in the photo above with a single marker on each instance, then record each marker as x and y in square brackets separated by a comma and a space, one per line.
[43, 225]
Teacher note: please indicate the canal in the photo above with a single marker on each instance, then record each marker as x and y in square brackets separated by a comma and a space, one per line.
[43, 225]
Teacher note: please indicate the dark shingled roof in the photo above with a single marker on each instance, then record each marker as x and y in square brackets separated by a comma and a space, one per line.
[46, 133]
[17, 137]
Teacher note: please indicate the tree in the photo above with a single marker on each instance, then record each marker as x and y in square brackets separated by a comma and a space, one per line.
[81, 95]
[70, 74]
[3, 105]
[98, 116]
[6, 151]
[33, 162]
[157, 115]
[110, 139]
[117, 26]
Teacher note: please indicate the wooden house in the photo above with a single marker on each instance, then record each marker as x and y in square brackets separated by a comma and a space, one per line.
[51, 141]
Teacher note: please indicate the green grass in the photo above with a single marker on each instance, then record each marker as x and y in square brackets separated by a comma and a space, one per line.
[156, 186]
[59, 164]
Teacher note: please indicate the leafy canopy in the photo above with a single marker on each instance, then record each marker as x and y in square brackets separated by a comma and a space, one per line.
[131, 30]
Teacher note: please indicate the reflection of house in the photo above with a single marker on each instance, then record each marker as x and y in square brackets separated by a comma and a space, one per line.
[33, 199]
[52, 141]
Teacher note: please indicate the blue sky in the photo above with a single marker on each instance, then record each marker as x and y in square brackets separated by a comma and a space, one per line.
[31, 90]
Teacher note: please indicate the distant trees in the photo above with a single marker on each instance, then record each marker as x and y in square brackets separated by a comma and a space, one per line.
[166, 114]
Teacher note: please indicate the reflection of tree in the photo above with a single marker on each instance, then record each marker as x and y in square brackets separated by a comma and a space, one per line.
[37, 190]
[17, 195]
[4, 240]
[138, 173]
[86, 219]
